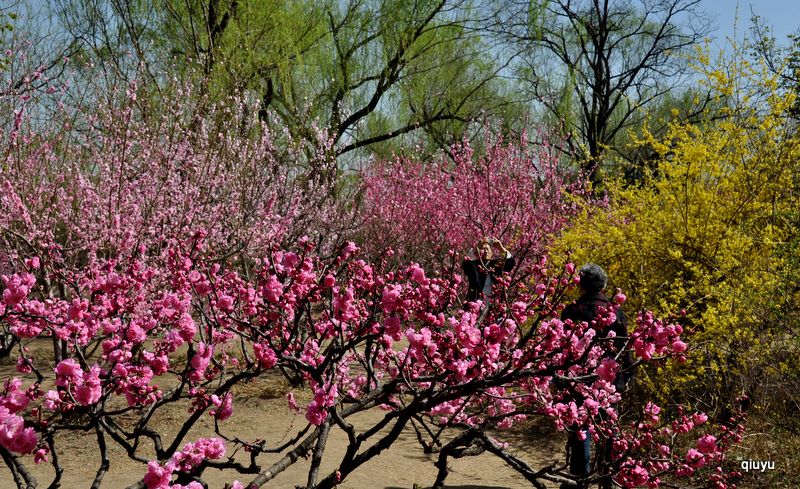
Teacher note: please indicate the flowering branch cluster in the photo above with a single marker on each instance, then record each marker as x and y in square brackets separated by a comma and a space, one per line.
[360, 335]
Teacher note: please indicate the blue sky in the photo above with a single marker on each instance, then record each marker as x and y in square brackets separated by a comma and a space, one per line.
[781, 15]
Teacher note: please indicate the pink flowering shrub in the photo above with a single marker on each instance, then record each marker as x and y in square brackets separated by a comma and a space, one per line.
[516, 192]
[118, 182]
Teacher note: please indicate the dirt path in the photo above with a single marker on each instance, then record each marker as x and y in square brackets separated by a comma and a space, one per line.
[261, 411]
[401, 466]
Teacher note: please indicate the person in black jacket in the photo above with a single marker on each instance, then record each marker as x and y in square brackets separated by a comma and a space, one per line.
[589, 305]
[483, 264]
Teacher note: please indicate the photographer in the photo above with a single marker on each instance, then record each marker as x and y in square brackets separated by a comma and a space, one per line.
[483, 264]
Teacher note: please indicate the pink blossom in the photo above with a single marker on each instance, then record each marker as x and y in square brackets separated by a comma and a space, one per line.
[68, 371]
[86, 395]
[135, 333]
[644, 350]
[349, 249]
[678, 346]
[324, 397]
[13, 434]
[266, 356]
[225, 303]
[158, 363]
[391, 298]
[195, 276]
[635, 477]
[315, 413]
[40, 455]
[292, 402]
[393, 327]
[417, 274]
[695, 458]
[191, 485]
[193, 454]
[15, 398]
[707, 444]
[343, 306]
[52, 400]
[157, 477]
[18, 287]
[224, 406]
[200, 361]
[273, 289]
[23, 365]
[186, 327]
[608, 369]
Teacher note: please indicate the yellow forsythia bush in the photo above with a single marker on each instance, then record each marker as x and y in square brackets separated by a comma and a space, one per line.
[705, 232]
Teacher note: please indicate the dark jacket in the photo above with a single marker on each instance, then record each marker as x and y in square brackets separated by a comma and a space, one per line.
[478, 272]
[586, 308]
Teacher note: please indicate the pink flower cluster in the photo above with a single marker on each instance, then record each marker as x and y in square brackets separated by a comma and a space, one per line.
[324, 397]
[17, 288]
[84, 387]
[651, 454]
[191, 456]
[14, 435]
[656, 337]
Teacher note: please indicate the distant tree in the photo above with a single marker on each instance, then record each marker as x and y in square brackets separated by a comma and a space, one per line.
[31, 53]
[594, 65]
[368, 72]
[781, 60]
[693, 105]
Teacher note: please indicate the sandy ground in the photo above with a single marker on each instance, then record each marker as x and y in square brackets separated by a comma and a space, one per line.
[260, 411]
